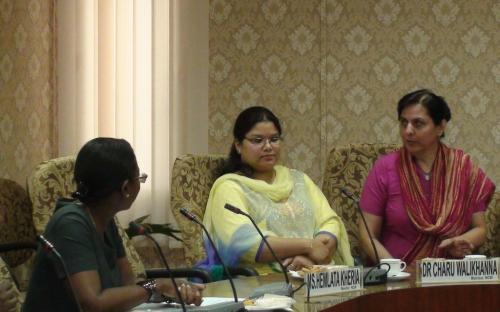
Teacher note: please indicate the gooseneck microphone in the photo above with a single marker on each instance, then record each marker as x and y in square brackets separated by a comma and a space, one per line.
[139, 229]
[356, 201]
[372, 276]
[193, 218]
[273, 288]
[225, 306]
[48, 247]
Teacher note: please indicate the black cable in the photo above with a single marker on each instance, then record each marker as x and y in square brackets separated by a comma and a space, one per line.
[299, 287]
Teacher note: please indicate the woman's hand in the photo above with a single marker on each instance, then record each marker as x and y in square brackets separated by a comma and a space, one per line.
[319, 253]
[329, 241]
[191, 293]
[8, 300]
[457, 247]
[297, 263]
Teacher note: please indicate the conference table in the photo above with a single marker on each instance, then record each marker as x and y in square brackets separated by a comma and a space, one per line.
[403, 295]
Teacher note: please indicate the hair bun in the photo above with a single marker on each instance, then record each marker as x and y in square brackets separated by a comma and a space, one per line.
[81, 191]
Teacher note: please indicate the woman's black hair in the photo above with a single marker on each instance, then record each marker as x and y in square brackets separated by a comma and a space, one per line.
[101, 166]
[436, 106]
[245, 121]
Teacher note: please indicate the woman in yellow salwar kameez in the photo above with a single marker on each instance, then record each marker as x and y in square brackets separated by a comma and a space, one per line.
[289, 208]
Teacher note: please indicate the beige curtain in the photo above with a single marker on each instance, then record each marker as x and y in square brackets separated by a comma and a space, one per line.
[122, 72]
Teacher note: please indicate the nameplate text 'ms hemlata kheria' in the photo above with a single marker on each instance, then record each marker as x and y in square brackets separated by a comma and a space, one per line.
[334, 281]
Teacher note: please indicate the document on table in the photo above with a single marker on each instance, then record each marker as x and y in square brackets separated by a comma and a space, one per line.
[164, 306]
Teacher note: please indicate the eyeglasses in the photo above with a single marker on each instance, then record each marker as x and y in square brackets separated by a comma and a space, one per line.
[142, 178]
[260, 141]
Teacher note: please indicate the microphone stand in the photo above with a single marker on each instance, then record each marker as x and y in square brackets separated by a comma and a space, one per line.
[375, 275]
[141, 230]
[272, 288]
[49, 247]
[235, 306]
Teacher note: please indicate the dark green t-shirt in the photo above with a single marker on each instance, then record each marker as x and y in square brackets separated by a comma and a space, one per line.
[74, 236]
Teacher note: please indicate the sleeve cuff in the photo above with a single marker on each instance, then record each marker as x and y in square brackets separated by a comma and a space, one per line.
[328, 233]
[259, 251]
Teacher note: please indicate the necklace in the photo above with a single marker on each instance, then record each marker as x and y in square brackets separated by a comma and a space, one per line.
[427, 176]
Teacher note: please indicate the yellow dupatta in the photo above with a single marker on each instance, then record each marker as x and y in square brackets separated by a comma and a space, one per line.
[279, 192]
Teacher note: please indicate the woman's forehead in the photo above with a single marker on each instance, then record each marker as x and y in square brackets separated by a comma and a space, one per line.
[263, 127]
[415, 111]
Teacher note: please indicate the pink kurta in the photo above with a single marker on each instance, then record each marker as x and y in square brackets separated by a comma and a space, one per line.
[382, 197]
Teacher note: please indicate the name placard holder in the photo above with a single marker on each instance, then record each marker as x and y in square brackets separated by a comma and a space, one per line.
[334, 281]
[458, 270]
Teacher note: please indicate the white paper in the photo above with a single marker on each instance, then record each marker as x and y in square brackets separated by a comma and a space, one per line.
[164, 306]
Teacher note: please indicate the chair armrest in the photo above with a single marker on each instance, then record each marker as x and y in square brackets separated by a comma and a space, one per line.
[5, 247]
[245, 271]
[180, 272]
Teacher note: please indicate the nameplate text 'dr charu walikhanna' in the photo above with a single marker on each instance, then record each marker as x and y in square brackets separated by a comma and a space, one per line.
[458, 270]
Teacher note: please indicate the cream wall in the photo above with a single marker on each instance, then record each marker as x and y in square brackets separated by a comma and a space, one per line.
[27, 114]
[333, 71]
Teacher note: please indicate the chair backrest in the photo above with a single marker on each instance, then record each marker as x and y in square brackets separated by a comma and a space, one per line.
[192, 179]
[491, 247]
[16, 225]
[53, 179]
[49, 181]
[348, 166]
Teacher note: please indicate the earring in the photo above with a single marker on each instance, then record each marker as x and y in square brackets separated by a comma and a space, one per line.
[127, 195]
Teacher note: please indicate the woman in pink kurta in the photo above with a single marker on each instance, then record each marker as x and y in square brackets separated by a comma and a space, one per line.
[425, 199]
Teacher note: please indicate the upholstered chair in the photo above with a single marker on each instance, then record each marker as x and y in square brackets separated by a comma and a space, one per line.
[192, 179]
[347, 167]
[491, 247]
[17, 238]
[6, 278]
[53, 179]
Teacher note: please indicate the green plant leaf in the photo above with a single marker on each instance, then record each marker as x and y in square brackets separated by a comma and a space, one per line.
[165, 228]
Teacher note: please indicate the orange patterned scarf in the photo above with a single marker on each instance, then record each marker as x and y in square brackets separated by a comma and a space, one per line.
[457, 186]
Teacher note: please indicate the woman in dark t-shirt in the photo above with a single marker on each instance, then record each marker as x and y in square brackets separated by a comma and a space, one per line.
[86, 236]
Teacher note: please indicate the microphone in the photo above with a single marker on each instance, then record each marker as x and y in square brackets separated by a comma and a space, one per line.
[139, 229]
[48, 247]
[272, 288]
[223, 306]
[375, 275]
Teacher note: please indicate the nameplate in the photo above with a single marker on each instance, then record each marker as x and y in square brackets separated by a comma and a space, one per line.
[333, 281]
[458, 271]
